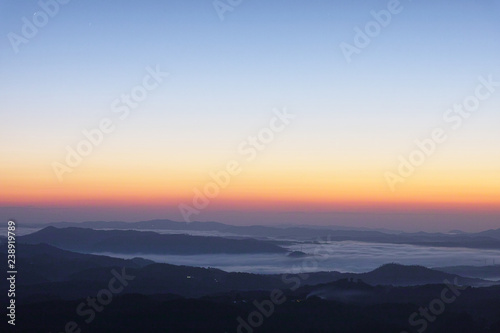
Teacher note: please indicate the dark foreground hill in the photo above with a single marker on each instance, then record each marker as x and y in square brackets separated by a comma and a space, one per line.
[129, 241]
[474, 311]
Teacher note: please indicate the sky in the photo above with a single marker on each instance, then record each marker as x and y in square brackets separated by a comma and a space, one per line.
[380, 114]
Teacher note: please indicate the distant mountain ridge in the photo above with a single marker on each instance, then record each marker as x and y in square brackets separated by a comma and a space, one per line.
[130, 241]
[489, 239]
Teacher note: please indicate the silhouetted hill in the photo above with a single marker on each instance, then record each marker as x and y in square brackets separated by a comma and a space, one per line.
[396, 275]
[129, 241]
[45, 263]
[400, 275]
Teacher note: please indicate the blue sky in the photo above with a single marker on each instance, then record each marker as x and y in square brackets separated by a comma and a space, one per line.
[226, 77]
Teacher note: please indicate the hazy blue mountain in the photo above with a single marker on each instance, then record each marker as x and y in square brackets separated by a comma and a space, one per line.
[129, 241]
[489, 239]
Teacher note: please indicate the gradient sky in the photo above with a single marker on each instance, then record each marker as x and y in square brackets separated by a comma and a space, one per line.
[352, 121]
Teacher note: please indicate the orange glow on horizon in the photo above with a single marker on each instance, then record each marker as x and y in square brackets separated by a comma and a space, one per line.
[255, 189]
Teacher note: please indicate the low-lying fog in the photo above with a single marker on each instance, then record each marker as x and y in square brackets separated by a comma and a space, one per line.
[344, 256]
